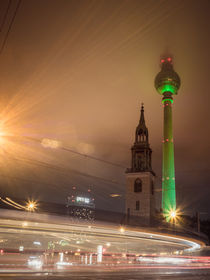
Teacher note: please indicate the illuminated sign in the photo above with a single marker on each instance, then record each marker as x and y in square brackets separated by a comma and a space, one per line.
[83, 199]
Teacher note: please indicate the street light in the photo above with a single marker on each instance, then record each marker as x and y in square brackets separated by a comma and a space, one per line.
[31, 206]
[173, 214]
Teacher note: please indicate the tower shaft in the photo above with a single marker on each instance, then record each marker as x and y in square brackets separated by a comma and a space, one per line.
[168, 175]
[167, 83]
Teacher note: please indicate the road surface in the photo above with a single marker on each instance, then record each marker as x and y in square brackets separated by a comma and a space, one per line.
[33, 245]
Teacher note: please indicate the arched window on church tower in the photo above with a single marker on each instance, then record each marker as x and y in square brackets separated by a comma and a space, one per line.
[138, 185]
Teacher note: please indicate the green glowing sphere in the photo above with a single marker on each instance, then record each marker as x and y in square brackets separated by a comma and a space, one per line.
[167, 80]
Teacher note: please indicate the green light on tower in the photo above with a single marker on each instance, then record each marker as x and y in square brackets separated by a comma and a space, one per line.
[167, 83]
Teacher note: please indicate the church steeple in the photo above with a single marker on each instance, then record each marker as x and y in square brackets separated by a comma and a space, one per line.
[141, 130]
[141, 152]
[140, 178]
[142, 121]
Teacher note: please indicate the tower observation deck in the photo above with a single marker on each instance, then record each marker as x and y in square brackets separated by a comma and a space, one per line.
[167, 83]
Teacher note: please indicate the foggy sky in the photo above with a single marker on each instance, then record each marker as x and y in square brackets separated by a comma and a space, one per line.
[77, 72]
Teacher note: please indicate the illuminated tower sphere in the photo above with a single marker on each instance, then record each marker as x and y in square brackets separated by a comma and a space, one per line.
[167, 83]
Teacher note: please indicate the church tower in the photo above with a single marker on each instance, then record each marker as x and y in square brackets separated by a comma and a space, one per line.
[140, 201]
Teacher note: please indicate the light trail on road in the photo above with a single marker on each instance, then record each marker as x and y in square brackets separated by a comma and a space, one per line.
[31, 242]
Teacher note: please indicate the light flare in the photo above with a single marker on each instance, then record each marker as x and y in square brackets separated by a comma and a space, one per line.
[173, 215]
[31, 205]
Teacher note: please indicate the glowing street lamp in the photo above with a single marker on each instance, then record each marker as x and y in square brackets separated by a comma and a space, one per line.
[31, 206]
[172, 214]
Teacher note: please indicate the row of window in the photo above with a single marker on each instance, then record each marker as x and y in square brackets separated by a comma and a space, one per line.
[138, 186]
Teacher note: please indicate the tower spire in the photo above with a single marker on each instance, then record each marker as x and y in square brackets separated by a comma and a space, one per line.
[142, 120]
[141, 130]
[141, 152]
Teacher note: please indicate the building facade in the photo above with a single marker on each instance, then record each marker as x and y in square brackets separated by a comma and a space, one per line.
[140, 178]
[81, 205]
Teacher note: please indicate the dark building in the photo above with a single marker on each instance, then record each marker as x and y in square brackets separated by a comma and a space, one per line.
[81, 205]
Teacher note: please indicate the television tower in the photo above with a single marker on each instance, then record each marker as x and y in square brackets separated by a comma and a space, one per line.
[167, 83]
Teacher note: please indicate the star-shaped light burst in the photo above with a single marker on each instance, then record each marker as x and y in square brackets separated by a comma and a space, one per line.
[31, 205]
[173, 216]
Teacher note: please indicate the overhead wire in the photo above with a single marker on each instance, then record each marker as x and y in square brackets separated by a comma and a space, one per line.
[64, 170]
[98, 191]
[69, 171]
[5, 15]
[10, 26]
[92, 157]
[67, 149]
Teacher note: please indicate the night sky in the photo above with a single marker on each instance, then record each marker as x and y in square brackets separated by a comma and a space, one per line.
[76, 72]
